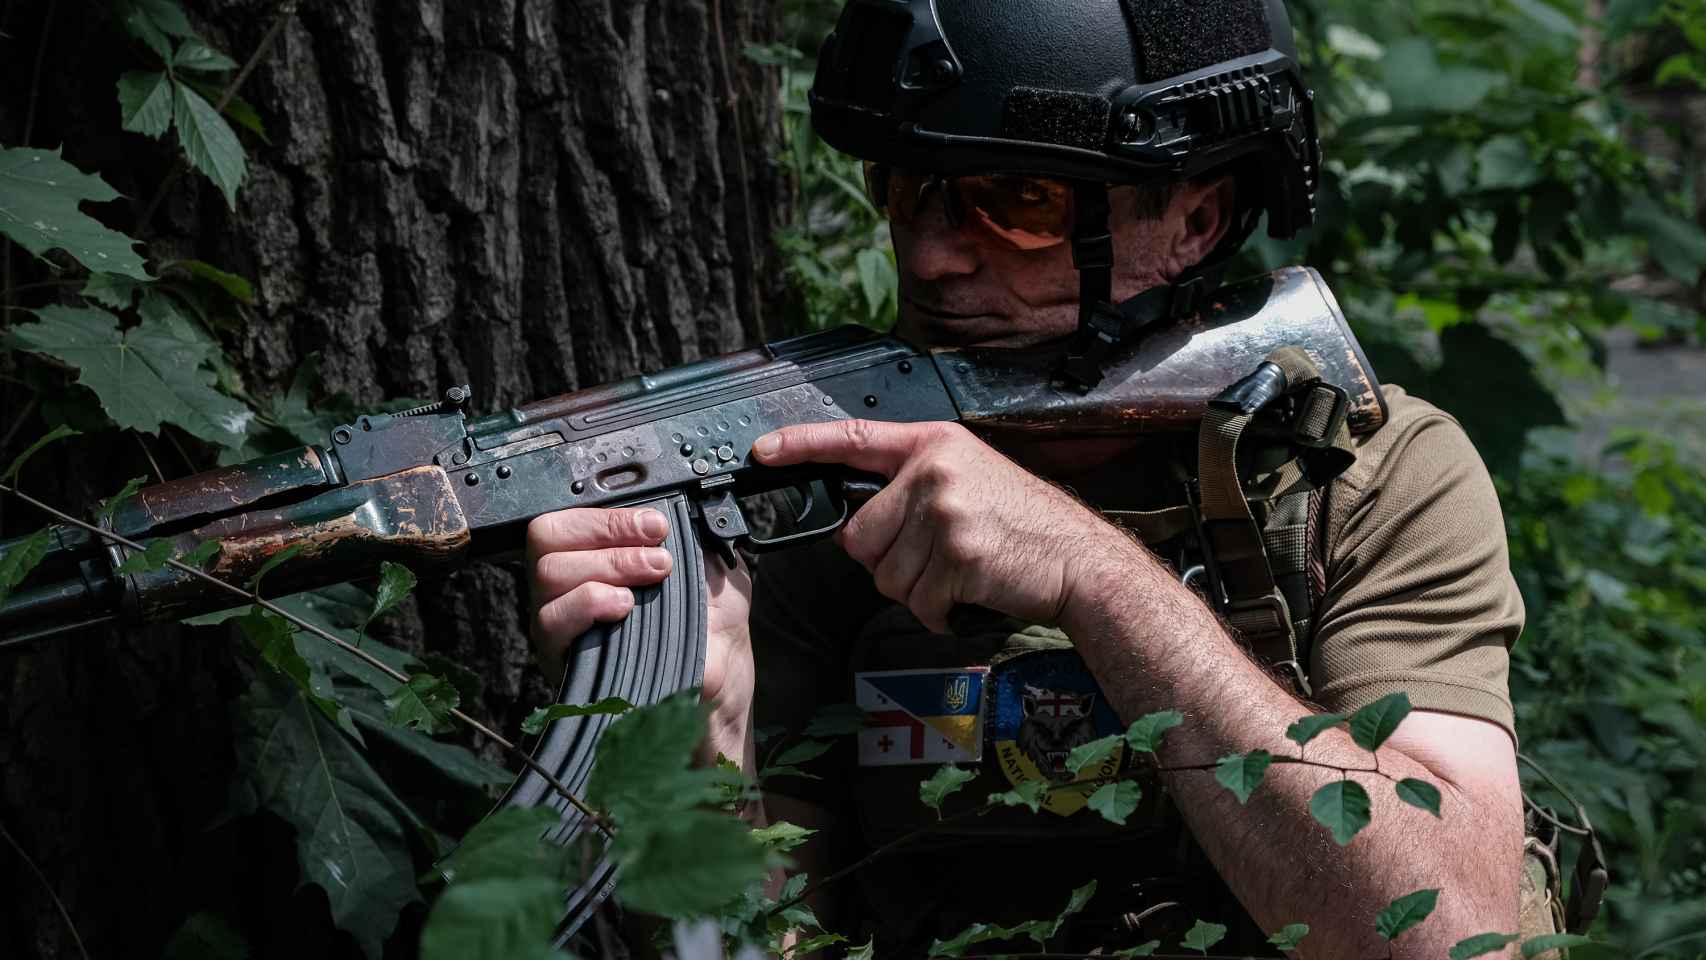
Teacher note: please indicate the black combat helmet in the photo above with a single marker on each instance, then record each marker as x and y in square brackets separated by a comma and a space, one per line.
[1090, 91]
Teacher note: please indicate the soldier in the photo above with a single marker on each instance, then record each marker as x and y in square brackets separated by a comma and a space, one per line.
[1083, 168]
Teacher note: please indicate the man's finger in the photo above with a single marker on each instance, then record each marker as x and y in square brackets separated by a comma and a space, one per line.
[559, 622]
[590, 528]
[869, 445]
[558, 573]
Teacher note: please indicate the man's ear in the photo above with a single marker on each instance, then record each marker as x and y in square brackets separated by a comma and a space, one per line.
[1203, 210]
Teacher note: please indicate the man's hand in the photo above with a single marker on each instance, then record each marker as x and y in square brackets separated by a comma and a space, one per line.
[958, 523]
[581, 566]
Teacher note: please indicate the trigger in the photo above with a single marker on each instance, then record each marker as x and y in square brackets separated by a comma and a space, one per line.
[724, 522]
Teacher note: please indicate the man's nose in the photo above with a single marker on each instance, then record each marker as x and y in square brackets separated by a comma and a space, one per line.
[931, 248]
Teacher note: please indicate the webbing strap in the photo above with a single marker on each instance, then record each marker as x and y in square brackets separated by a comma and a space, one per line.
[1153, 526]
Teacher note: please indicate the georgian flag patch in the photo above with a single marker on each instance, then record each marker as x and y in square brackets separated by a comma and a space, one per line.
[921, 716]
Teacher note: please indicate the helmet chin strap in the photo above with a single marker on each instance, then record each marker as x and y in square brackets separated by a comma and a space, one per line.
[1104, 326]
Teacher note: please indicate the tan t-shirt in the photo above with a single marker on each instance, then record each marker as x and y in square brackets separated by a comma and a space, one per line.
[1417, 595]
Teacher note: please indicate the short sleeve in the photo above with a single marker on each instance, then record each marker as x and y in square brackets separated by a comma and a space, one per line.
[1418, 594]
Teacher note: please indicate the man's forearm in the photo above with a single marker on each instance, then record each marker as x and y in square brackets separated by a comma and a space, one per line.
[1153, 645]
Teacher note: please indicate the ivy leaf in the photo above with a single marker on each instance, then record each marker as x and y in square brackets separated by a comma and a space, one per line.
[1419, 793]
[494, 920]
[538, 719]
[1290, 936]
[352, 831]
[1481, 944]
[1342, 807]
[112, 290]
[144, 376]
[1028, 794]
[194, 55]
[22, 557]
[236, 287]
[1094, 752]
[1371, 725]
[865, 952]
[274, 638]
[39, 197]
[1553, 941]
[154, 556]
[424, 704]
[975, 934]
[685, 864]
[836, 720]
[1243, 773]
[947, 780]
[1405, 912]
[274, 562]
[802, 752]
[1203, 935]
[395, 582]
[238, 109]
[782, 836]
[57, 433]
[1116, 801]
[1312, 726]
[1146, 731]
[145, 102]
[206, 936]
[1141, 950]
[209, 142]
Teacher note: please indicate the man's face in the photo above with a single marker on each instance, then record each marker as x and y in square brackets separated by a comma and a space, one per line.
[962, 287]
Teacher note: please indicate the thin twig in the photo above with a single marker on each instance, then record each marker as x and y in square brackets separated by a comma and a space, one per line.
[338, 642]
[63, 913]
[756, 302]
[285, 12]
[158, 475]
[18, 421]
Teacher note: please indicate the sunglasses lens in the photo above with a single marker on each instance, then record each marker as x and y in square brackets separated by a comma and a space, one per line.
[1027, 213]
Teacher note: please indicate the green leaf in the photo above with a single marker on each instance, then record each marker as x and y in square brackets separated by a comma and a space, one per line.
[641, 772]
[1116, 801]
[111, 290]
[237, 109]
[1342, 807]
[424, 704]
[1481, 944]
[352, 831]
[876, 278]
[1679, 245]
[1203, 935]
[1371, 725]
[1028, 794]
[274, 562]
[1290, 936]
[865, 952]
[154, 555]
[1553, 941]
[395, 582]
[1312, 726]
[274, 638]
[203, 552]
[1243, 773]
[807, 947]
[537, 720]
[57, 433]
[39, 197]
[684, 864]
[1094, 752]
[1141, 950]
[836, 720]
[1349, 42]
[144, 376]
[165, 15]
[206, 936]
[782, 836]
[194, 55]
[1405, 912]
[1419, 793]
[947, 780]
[1146, 731]
[512, 919]
[975, 934]
[22, 557]
[1505, 163]
[238, 288]
[509, 844]
[145, 102]
[1417, 80]
[802, 752]
[209, 142]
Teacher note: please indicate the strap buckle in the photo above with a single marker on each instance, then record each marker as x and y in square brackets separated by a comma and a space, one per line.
[1321, 411]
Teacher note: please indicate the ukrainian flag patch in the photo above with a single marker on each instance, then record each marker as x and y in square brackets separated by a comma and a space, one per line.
[921, 716]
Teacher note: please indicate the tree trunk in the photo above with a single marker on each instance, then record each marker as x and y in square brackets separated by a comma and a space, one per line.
[524, 195]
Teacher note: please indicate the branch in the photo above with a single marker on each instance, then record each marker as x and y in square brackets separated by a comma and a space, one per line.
[372, 661]
[75, 938]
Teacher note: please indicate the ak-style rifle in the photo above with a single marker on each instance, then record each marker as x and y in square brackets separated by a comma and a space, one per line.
[435, 487]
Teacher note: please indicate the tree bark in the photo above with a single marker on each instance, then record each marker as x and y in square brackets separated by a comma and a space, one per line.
[523, 195]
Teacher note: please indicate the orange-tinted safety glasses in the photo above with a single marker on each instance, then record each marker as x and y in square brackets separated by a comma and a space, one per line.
[1022, 212]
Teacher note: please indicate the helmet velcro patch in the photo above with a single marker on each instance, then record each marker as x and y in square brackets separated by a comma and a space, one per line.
[1056, 116]
[1179, 36]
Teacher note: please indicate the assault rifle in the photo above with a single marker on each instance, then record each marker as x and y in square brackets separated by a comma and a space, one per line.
[435, 488]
